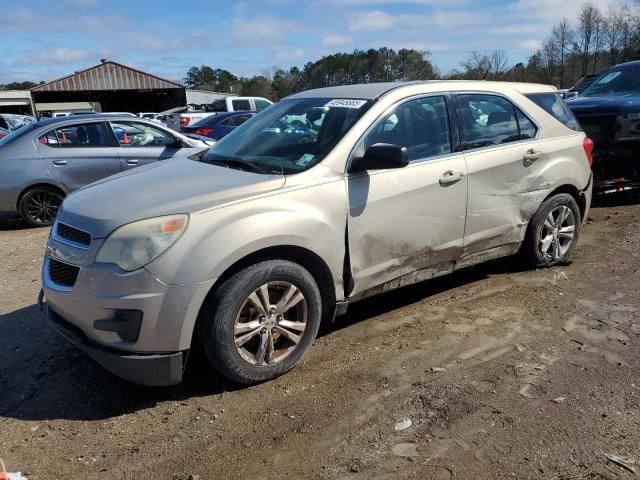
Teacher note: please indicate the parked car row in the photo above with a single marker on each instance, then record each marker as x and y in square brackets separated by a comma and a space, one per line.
[12, 122]
[44, 161]
[178, 121]
[328, 197]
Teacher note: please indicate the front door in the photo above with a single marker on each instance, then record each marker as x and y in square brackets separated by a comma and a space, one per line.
[406, 225]
[80, 153]
[141, 143]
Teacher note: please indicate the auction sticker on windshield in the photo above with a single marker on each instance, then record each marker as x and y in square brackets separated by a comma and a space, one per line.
[345, 103]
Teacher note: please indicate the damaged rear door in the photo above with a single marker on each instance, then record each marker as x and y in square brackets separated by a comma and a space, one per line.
[406, 225]
[503, 155]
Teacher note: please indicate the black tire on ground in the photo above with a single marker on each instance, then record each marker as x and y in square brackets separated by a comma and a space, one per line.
[216, 334]
[39, 206]
[532, 247]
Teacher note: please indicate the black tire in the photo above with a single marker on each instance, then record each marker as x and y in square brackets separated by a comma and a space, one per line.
[532, 247]
[216, 334]
[39, 206]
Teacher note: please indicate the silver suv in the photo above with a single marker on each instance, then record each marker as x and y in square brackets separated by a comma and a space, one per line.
[323, 199]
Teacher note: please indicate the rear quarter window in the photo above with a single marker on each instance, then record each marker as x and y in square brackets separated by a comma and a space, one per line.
[555, 106]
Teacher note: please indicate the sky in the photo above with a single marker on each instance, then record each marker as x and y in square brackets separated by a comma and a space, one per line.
[47, 39]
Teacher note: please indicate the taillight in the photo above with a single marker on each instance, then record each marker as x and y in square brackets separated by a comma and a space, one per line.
[588, 145]
[203, 131]
[184, 121]
[2, 135]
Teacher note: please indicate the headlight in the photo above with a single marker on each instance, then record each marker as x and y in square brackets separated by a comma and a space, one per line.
[136, 244]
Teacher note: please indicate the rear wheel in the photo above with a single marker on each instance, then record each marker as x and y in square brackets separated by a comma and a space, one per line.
[259, 322]
[553, 232]
[39, 206]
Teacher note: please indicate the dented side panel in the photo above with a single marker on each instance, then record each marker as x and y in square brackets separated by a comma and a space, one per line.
[402, 221]
[506, 190]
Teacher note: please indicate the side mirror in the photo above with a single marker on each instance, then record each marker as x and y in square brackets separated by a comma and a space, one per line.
[381, 156]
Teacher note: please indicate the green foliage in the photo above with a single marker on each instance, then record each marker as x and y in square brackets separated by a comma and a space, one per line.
[360, 66]
[19, 85]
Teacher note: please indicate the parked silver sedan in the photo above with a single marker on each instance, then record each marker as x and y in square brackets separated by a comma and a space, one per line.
[43, 162]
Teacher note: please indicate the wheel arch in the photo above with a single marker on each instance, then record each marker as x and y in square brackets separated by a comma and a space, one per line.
[304, 257]
[578, 196]
[33, 186]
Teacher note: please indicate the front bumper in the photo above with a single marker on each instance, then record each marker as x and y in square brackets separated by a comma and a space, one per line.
[145, 369]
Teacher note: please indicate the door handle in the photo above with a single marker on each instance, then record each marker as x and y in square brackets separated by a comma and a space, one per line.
[132, 161]
[532, 155]
[60, 163]
[449, 177]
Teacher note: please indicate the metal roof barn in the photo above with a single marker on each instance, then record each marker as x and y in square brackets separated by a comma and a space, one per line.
[116, 87]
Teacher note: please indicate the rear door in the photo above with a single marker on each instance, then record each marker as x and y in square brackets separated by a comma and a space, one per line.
[142, 143]
[80, 153]
[406, 225]
[503, 155]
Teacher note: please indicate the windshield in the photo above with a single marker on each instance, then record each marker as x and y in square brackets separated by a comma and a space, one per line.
[290, 136]
[18, 133]
[619, 82]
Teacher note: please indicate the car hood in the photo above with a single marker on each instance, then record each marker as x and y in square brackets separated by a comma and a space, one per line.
[604, 104]
[163, 188]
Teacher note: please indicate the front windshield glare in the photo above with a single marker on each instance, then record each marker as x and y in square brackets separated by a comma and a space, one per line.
[288, 137]
[615, 82]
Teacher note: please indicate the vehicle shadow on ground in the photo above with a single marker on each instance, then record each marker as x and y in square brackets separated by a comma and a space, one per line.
[12, 222]
[42, 377]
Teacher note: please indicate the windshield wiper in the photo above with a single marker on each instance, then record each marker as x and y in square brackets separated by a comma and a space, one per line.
[239, 164]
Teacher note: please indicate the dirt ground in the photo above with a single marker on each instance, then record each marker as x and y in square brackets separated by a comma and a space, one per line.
[541, 380]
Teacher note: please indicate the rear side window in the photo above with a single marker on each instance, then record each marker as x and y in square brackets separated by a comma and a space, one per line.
[554, 106]
[261, 105]
[527, 128]
[238, 120]
[487, 120]
[241, 105]
[72, 136]
[218, 106]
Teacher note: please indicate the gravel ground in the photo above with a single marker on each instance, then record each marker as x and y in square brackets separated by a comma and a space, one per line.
[501, 373]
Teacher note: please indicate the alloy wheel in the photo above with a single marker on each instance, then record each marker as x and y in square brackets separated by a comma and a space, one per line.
[42, 207]
[557, 233]
[270, 323]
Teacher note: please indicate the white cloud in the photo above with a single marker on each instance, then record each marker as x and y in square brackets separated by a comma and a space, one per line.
[552, 11]
[531, 45]
[335, 40]
[260, 31]
[369, 21]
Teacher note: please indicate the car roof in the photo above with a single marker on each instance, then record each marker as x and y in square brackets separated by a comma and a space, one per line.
[372, 91]
[89, 116]
[625, 66]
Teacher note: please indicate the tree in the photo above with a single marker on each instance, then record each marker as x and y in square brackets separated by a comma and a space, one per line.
[258, 86]
[19, 85]
[561, 40]
[588, 19]
[206, 78]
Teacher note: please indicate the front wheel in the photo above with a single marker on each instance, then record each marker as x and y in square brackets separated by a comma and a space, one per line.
[259, 322]
[553, 232]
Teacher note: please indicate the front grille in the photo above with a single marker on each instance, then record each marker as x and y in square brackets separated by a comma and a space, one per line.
[73, 234]
[63, 273]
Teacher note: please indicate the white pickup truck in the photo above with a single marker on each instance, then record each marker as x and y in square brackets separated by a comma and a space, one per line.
[176, 121]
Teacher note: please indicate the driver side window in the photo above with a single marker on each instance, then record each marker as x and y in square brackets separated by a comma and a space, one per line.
[421, 125]
[136, 134]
